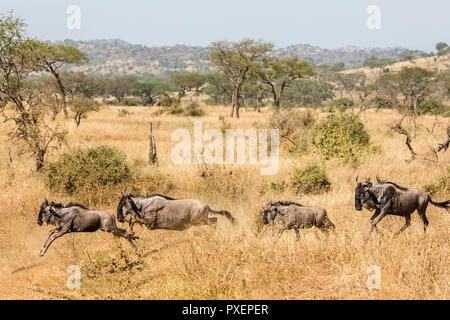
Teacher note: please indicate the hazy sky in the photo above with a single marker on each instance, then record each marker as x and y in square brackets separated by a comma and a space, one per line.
[415, 24]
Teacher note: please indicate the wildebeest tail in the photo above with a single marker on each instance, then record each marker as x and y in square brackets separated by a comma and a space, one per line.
[445, 205]
[224, 213]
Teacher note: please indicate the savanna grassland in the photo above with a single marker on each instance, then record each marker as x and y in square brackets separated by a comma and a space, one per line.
[232, 262]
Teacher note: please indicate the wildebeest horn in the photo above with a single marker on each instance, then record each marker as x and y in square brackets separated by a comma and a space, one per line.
[44, 200]
[357, 179]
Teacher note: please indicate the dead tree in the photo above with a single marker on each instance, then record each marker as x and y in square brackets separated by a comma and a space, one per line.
[434, 151]
[152, 157]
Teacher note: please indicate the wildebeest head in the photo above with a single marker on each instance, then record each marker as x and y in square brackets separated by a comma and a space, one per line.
[269, 215]
[126, 204]
[46, 213]
[363, 195]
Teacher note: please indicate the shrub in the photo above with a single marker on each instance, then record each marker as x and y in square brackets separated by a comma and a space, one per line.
[341, 136]
[291, 122]
[193, 110]
[442, 186]
[432, 105]
[312, 179]
[342, 104]
[124, 113]
[82, 170]
[176, 110]
[167, 102]
[130, 102]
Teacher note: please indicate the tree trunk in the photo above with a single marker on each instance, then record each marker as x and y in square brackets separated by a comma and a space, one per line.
[40, 160]
[62, 90]
[235, 102]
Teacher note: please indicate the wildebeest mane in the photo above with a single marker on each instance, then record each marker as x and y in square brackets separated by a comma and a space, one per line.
[286, 203]
[151, 196]
[69, 205]
[396, 185]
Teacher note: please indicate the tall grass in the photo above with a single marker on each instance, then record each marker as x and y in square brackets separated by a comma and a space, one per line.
[232, 262]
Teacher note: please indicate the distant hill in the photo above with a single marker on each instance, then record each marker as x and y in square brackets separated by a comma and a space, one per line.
[435, 63]
[110, 57]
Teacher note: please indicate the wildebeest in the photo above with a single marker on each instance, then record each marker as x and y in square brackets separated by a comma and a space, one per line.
[295, 216]
[156, 211]
[388, 198]
[75, 217]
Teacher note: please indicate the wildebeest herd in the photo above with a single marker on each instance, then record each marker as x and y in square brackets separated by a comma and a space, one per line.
[156, 211]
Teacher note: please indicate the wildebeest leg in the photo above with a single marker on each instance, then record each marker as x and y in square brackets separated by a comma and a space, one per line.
[127, 235]
[408, 222]
[297, 232]
[376, 214]
[384, 211]
[49, 235]
[422, 211]
[212, 222]
[280, 232]
[53, 238]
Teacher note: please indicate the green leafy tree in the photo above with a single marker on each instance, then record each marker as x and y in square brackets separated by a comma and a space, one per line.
[441, 46]
[279, 74]
[81, 106]
[308, 92]
[120, 86]
[88, 85]
[414, 84]
[236, 61]
[219, 89]
[29, 132]
[188, 82]
[52, 57]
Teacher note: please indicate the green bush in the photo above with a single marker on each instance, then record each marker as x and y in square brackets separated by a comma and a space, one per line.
[176, 110]
[442, 186]
[342, 104]
[433, 105]
[167, 102]
[130, 102]
[341, 136]
[312, 179]
[193, 110]
[82, 170]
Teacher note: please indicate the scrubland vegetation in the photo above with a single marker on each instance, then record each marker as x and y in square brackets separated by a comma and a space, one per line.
[333, 127]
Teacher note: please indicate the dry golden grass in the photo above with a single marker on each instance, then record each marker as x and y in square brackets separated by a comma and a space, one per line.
[240, 262]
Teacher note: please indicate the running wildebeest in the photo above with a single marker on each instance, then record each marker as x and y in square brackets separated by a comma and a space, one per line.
[156, 211]
[295, 216]
[75, 217]
[388, 198]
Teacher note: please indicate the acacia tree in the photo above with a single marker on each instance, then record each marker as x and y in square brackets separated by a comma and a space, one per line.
[236, 61]
[81, 106]
[188, 82]
[414, 84]
[120, 86]
[28, 132]
[279, 74]
[218, 88]
[51, 57]
[82, 83]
